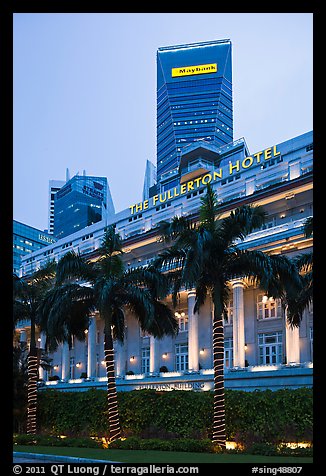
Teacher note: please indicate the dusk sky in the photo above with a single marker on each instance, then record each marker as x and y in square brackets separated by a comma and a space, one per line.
[85, 92]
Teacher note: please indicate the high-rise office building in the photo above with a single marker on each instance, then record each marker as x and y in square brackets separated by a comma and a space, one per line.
[82, 201]
[194, 102]
[54, 186]
[149, 179]
[27, 239]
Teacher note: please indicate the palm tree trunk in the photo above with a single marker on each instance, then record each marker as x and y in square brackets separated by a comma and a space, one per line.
[32, 390]
[219, 436]
[113, 414]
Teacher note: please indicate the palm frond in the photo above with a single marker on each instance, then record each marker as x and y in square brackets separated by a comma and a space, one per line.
[241, 221]
[252, 264]
[110, 265]
[111, 243]
[64, 312]
[163, 322]
[208, 210]
[171, 258]
[118, 323]
[178, 226]
[304, 262]
[150, 278]
[73, 266]
[308, 227]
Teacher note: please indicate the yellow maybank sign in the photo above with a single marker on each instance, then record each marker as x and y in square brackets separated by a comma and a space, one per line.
[190, 70]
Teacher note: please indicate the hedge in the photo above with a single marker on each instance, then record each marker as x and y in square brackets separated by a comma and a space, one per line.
[251, 417]
[156, 444]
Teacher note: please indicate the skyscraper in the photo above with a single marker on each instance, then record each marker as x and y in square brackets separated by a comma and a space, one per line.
[149, 179]
[194, 102]
[82, 201]
[54, 186]
[27, 239]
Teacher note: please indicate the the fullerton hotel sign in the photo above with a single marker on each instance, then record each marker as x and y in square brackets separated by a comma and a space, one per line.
[194, 184]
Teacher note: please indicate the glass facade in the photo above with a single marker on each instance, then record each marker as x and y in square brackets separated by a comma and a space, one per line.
[27, 239]
[192, 106]
[79, 204]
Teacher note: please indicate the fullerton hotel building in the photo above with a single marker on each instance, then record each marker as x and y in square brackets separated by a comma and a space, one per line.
[195, 146]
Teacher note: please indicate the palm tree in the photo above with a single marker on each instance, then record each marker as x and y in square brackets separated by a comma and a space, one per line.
[296, 299]
[83, 286]
[28, 293]
[204, 255]
[296, 303]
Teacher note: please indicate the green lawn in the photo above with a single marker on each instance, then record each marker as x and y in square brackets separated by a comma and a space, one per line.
[142, 456]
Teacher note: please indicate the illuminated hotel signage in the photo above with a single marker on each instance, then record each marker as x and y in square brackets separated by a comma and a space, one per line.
[172, 386]
[191, 70]
[194, 184]
[46, 238]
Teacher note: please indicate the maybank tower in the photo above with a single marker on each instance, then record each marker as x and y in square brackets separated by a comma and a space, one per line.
[194, 102]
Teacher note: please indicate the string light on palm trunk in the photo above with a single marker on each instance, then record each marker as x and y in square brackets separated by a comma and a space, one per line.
[32, 394]
[113, 415]
[219, 436]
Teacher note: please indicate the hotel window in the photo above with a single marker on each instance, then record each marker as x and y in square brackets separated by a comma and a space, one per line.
[228, 352]
[72, 368]
[182, 321]
[311, 335]
[181, 357]
[270, 348]
[268, 307]
[72, 342]
[229, 312]
[145, 358]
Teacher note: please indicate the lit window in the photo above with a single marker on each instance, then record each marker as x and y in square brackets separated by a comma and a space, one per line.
[181, 357]
[228, 352]
[268, 307]
[182, 321]
[145, 359]
[270, 348]
[72, 368]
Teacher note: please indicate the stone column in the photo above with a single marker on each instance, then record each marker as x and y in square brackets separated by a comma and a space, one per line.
[41, 371]
[292, 343]
[65, 367]
[193, 353]
[91, 348]
[238, 324]
[153, 356]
